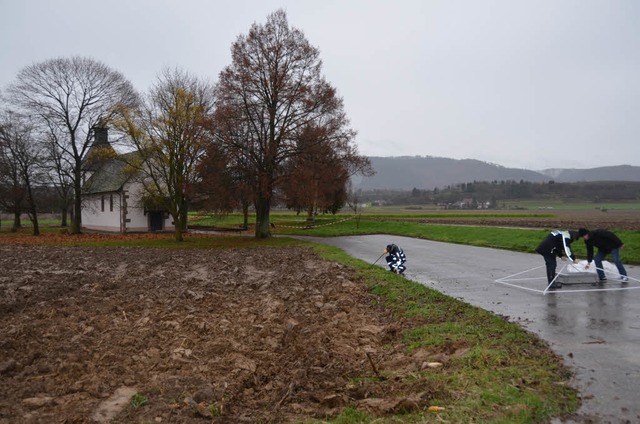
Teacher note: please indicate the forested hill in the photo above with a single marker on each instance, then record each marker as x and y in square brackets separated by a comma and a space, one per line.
[605, 173]
[427, 173]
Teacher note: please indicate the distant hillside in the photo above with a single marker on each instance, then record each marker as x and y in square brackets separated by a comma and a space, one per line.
[427, 173]
[605, 173]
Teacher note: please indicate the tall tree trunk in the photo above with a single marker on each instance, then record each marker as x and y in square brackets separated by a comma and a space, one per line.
[16, 221]
[34, 220]
[245, 214]
[178, 234]
[64, 216]
[263, 207]
[184, 215]
[311, 219]
[76, 220]
[33, 210]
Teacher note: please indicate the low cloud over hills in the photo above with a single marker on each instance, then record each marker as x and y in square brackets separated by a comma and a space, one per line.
[427, 173]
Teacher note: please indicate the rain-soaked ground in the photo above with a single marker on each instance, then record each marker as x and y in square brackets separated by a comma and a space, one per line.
[595, 328]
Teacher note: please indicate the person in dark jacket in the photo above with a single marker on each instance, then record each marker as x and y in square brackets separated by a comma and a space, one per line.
[607, 243]
[395, 258]
[556, 244]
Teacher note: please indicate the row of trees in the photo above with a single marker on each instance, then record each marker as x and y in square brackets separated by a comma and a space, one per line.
[271, 128]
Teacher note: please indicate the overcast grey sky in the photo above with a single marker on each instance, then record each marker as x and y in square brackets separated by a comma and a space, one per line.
[531, 84]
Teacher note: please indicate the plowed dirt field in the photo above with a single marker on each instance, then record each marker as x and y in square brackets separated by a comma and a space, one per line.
[241, 335]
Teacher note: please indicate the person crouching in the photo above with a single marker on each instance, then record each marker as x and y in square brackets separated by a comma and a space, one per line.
[395, 258]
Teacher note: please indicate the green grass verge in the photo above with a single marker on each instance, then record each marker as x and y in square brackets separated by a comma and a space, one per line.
[507, 375]
[521, 240]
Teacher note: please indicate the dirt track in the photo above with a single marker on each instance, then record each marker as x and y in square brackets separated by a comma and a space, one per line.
[245, 335]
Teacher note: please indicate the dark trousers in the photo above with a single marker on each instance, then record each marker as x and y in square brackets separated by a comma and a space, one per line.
[615, 255]
[551, 264]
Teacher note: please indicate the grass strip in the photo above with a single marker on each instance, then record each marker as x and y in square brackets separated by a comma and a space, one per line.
[504, 374]
[515, 239]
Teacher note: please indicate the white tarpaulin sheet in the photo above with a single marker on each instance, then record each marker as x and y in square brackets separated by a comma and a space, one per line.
[610, 269]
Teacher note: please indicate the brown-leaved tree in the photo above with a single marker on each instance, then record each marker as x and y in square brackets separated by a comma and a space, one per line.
[271, 92]
[317, 177]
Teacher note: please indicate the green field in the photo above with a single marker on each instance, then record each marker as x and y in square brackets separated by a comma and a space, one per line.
[402, 223]
[510, 206]
[502, 229]
[562, 205]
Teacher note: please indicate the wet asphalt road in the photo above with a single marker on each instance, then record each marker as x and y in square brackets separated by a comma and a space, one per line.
[596, 332]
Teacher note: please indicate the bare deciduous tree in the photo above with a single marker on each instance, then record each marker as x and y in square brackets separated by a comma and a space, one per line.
[59, 171]
[170, 134]
[12, 191]
[272, 90]
[71, 95]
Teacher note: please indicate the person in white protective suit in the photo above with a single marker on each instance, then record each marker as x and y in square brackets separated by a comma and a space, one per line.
[395, 258]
